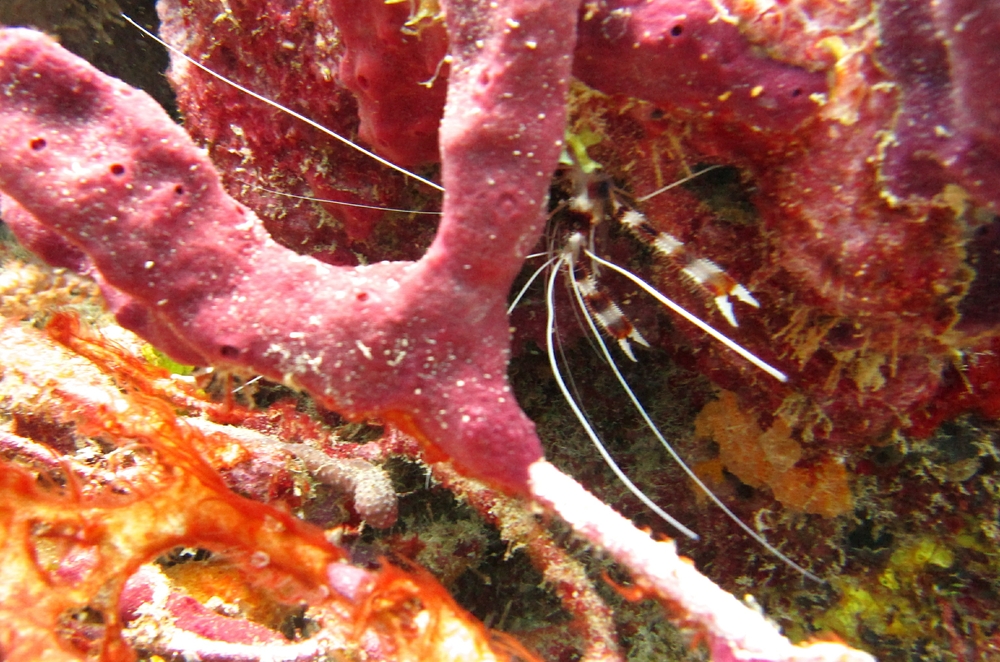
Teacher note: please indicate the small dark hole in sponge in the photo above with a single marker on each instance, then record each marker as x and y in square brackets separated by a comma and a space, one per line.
[179, 190]
[677, 30]
[796, 92]
[38, 144]
[117, 169]
[229, 351]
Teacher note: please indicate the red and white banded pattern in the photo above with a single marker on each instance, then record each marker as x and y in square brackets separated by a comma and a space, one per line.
[702, 272]
[603, 309]
[593, 200]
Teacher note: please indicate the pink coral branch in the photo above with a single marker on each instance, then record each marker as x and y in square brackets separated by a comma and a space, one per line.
[368, 486]
[32, 451]
[732, 630]
[165, 622]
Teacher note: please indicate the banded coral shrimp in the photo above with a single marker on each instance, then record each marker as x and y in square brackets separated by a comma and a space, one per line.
[592, 203]
[587, 293]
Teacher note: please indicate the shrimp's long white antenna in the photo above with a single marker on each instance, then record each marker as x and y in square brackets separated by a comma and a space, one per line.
[534, 276]
[343, 203]
[550, 345]
[746, 354]
[671, 185]
[316, 125]
[670, 449]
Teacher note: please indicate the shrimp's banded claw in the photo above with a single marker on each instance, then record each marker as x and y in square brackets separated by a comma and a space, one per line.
[703, 273]
[601, 307]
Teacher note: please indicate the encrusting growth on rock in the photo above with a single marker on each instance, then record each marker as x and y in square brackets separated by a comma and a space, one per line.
[767, 458]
